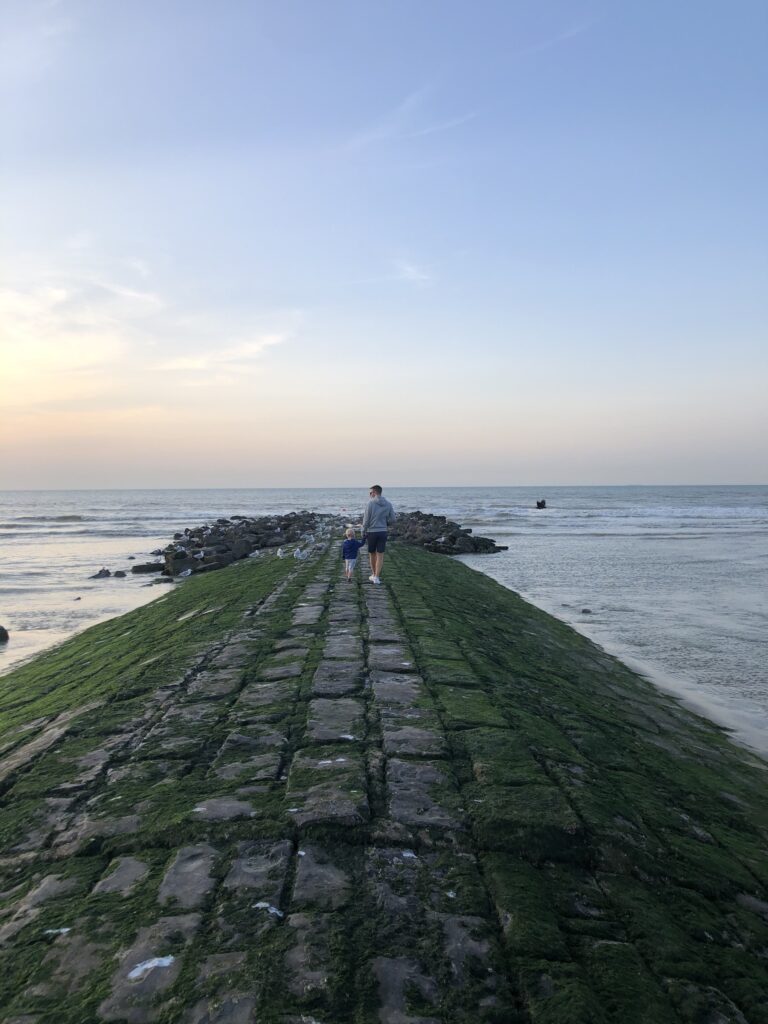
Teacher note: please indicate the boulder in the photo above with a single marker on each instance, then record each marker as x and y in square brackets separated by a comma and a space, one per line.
[4, 635]
[145, 567]
[101, 574]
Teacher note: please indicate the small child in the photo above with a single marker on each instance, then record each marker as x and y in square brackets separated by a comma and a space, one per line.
[349, 550]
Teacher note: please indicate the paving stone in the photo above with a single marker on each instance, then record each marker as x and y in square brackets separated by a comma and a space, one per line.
[216, 683]
[329, 787]
[67, 967]
[308, 961]
[232, 1008]
[343, 616]
[28, 908]
[345, 647]
[403, 740]
[332, 720]
[218, 964]
[396, 976]
[397, 688]
[85, 828]
[385, 633]
[411, 787]
[235, 654]
[123, 875]
[262, 768]
[148, 969]
[293, 645]
[222, 808]
[335, 678]
[319, 883]
[259, 869]
[391, 658]
[289, 670]
[263, 695]
[188, 880]
[307, 615]
[253, 736]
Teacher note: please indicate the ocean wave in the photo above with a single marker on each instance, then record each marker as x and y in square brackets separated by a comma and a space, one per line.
[53, 519]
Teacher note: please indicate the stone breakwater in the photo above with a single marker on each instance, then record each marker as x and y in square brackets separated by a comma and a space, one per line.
[272, 796]
[218, 544]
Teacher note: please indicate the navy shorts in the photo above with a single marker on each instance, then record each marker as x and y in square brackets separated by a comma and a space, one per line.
[377, 542]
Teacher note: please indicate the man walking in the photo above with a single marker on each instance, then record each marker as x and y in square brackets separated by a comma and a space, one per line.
[379, 514]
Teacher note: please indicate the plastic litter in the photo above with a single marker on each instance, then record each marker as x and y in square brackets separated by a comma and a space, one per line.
[261, 905]
[142, 970]
[409, 854]
[56, 931]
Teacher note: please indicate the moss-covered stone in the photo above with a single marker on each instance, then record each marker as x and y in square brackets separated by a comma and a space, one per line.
[271, 795]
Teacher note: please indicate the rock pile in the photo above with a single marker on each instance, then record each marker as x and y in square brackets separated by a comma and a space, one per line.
[218, 544]
[438, 534]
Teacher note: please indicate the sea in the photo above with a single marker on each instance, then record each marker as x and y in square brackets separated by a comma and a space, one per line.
[673, 580]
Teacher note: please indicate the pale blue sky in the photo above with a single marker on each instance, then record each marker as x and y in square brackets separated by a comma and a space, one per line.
[497, 242]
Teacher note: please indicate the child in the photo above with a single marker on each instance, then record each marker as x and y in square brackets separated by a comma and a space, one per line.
[349, 550]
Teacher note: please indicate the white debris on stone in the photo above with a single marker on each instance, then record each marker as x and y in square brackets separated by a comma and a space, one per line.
[409, 854]
[142, 970]
[261, 905]
[56, 931]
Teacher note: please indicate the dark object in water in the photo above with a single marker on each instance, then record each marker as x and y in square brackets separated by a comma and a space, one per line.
[4, 636]
[101, 574]
[542, 503]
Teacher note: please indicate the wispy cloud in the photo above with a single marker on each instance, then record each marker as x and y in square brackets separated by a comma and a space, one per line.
[239, 357]
[409, 119]
[556, 40]
[413, 273]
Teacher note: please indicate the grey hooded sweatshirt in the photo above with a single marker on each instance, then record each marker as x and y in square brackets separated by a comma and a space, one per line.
[379, 514]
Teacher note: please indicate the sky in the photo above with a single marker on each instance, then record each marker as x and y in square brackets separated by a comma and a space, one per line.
[291, 243]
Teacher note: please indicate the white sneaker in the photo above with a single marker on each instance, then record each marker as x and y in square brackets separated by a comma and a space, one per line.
[372, 579]
[377, 580]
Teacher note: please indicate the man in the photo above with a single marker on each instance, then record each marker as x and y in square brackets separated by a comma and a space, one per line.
[378, 516]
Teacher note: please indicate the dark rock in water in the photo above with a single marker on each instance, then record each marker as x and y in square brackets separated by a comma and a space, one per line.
[4, 635]
[586, 611]
[119, 574]
[148, 567]
[77, 599]
[101, 574]
[131, 558]
[542, 503]
[157, 552]
[438, 534]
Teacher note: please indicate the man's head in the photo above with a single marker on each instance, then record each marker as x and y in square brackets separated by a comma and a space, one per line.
[375, 491]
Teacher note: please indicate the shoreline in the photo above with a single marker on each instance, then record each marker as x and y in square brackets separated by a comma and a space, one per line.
[735, 722]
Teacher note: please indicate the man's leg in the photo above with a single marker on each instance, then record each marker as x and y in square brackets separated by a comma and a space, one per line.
[379, 563]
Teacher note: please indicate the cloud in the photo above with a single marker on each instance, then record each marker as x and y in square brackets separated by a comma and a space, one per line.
[405, 270]
[406, 121]
[561, 37]
[239, 357]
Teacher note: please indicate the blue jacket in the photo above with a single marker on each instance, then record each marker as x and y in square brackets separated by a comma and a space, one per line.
[350, 548]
